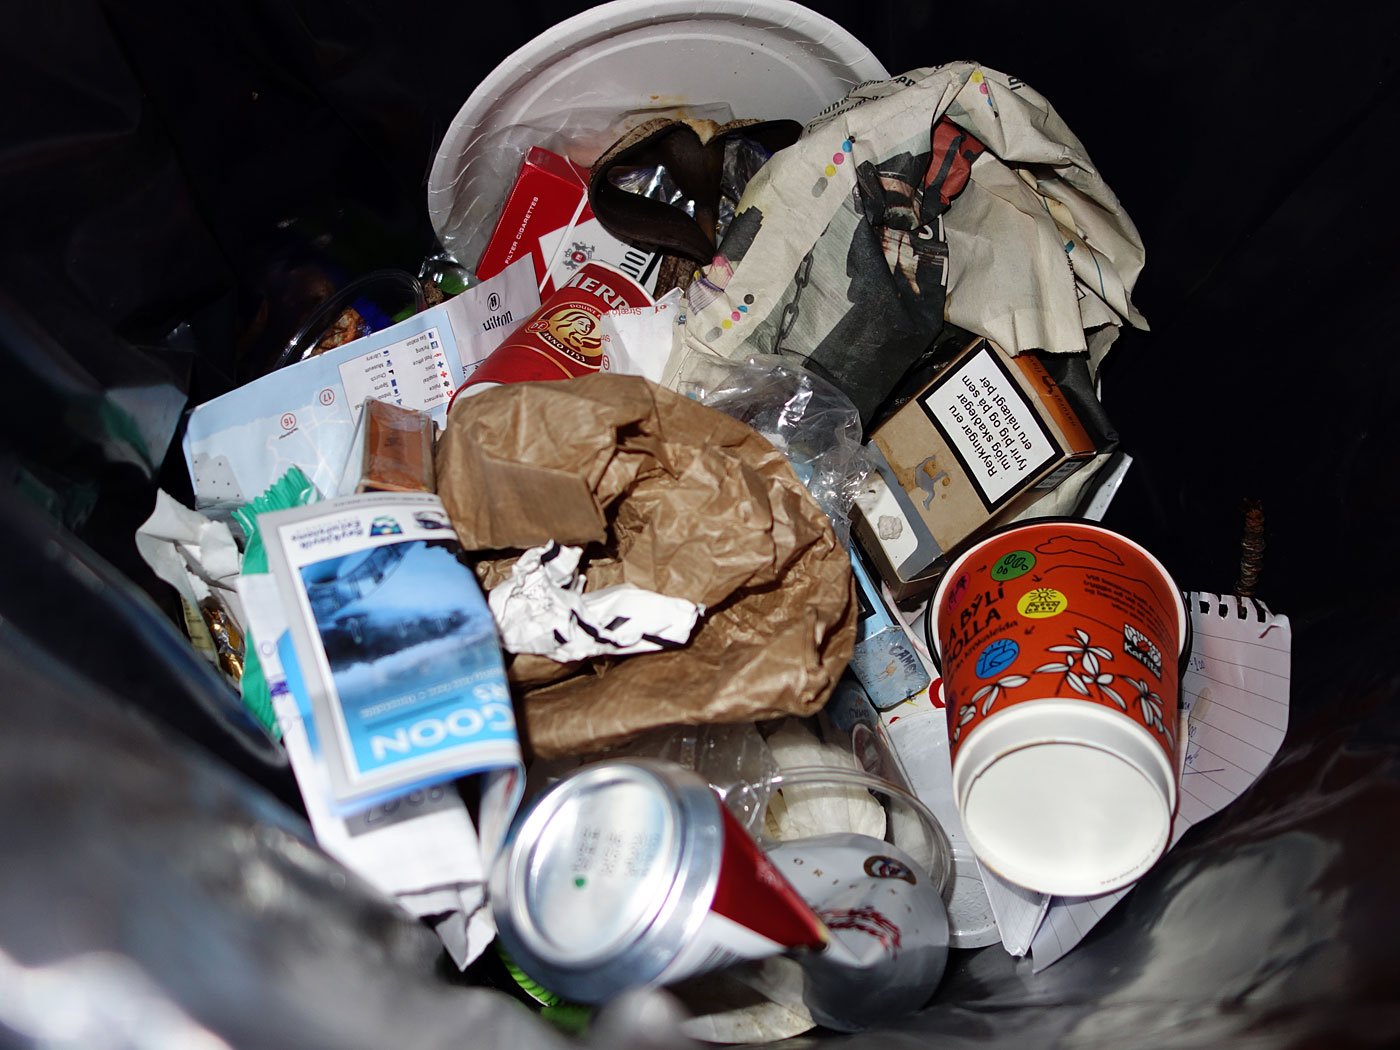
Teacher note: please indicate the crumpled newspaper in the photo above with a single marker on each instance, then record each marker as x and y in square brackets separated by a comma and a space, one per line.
[542, 609]
[951, 194]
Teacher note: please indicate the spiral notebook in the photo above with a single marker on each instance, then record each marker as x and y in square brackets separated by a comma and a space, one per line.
[1234, 704]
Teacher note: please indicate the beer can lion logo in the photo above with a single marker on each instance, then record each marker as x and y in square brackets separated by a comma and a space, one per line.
[572, 330]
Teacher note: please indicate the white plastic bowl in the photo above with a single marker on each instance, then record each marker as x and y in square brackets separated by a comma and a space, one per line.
[573, 87]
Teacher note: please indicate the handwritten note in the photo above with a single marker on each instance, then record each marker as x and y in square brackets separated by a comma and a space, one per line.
[1234, 702]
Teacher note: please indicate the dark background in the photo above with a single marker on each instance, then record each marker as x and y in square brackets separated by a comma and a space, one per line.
[171, 173]
[168, 164]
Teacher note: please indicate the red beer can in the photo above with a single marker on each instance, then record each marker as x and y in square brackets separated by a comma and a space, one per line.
[561, 340]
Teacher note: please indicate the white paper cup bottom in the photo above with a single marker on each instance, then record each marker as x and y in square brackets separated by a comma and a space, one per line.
[1064, 797]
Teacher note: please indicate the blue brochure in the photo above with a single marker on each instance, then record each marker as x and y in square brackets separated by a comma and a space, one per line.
[396, 654]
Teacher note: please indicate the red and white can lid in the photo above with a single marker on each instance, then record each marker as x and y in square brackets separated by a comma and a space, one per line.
[632, 873]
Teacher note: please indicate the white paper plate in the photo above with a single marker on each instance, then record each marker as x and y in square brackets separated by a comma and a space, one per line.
[569, 89]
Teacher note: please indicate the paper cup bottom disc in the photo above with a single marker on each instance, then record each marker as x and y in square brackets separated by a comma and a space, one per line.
[1061, 799]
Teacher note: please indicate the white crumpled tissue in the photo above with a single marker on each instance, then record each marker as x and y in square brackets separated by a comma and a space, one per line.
[195, 555]
[542, 609]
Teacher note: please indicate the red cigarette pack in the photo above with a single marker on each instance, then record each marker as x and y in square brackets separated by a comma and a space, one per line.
[546, 214]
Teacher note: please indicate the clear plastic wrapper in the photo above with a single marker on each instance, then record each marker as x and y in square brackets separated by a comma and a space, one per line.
[364, 306]
[732, 758]
[655, 183]
[742, 159]
[443, 276]
[806, 418]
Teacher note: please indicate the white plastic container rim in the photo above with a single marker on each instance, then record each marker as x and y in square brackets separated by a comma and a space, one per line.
[912, 827]
[567, 88]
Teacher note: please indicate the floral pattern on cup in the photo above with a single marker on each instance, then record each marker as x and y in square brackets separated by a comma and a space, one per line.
[1082, 670]
[1089, 677]
[988, 694]
[1150, 704]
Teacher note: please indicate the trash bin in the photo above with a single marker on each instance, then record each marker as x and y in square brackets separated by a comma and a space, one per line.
[177, 176]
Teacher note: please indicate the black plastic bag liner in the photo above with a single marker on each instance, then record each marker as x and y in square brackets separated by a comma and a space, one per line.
[180, 183]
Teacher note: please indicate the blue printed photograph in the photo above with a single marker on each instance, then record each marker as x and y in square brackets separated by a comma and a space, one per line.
[413, 658]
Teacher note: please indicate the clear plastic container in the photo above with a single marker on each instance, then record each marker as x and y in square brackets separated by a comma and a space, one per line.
[368, 304]
[909, 824]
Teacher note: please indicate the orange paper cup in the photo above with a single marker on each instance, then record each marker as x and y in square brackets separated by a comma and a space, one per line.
[1060, 644]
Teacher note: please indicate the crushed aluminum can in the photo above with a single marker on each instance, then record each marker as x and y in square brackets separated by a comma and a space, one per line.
[631, 872]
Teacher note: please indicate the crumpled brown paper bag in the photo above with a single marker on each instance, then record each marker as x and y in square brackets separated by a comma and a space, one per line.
[674, 497]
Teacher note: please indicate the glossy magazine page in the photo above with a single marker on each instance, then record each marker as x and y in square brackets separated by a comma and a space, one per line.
[396, 652]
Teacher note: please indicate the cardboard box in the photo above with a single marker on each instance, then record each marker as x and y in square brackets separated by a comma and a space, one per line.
[988, 436]
[883, 659]
[546, 215]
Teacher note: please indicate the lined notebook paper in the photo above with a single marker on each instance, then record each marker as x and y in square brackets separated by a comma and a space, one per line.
[1234, 702]
[1019, 912]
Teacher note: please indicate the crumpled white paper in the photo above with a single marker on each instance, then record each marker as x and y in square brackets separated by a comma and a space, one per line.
[542, 609]
[643, 340]
[196, 556]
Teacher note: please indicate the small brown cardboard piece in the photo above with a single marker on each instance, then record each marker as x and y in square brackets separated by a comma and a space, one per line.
[391, 450]
[987, 437]
[692, 504]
